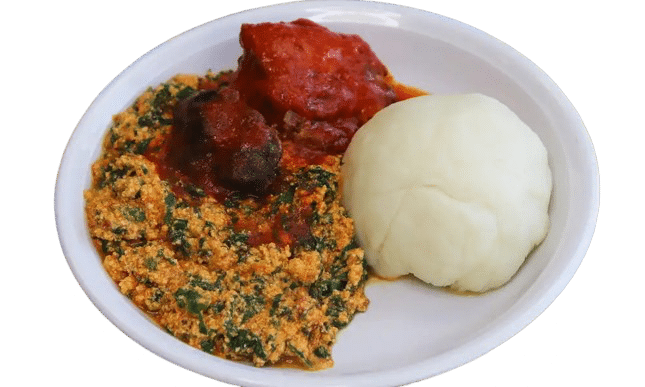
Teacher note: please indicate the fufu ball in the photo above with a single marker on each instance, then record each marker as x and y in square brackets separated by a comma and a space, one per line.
[454, 189]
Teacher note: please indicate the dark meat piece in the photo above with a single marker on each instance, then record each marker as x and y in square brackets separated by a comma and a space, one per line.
[188, 125]
[333, 136]
[216, 135]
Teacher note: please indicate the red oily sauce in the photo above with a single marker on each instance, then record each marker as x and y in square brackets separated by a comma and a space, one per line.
[299, 94]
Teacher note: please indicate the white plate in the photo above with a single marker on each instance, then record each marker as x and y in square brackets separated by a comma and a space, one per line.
[410, 331]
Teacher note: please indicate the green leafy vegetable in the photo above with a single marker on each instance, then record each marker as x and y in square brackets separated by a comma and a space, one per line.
[321, 352]
[189, 299]
[134, 214]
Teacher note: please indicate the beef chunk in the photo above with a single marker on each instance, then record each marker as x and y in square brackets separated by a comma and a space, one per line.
[216, 133]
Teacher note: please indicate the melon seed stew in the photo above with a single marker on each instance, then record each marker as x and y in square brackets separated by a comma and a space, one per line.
[215, 204]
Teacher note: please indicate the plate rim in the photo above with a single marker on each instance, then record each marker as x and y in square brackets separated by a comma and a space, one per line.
[232, 372]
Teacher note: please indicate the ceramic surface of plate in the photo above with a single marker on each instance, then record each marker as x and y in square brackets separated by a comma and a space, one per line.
[411, 331]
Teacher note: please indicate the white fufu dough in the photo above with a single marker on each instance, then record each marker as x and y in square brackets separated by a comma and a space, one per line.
[453, 189]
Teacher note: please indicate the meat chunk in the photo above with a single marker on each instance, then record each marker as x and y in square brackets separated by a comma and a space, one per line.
[318, 74]
[216, 133]
[333, 136]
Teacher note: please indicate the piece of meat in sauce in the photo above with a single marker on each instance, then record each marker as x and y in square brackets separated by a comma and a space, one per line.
[216, 136]
[314, 86]
[327, 84]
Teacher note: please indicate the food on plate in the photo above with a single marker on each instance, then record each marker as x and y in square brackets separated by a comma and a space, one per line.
[215, 203]
[453, 189]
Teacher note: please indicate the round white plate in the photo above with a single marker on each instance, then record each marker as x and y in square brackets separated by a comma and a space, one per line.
[411, 331]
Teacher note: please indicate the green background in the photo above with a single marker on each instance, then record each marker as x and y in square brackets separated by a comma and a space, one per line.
[57, 56]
